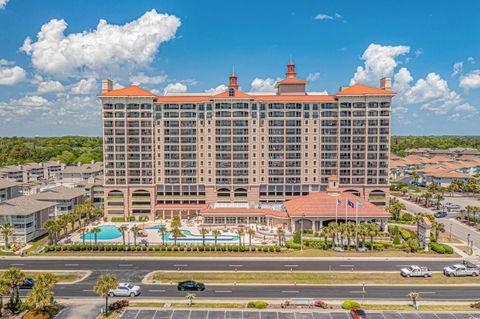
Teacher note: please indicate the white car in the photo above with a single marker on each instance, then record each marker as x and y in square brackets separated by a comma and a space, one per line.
[415, 271]
[125, 289]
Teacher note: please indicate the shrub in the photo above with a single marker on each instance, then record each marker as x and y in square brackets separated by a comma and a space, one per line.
[441, 248]
[143, 219]
[118, 219]
[475, 305]
[396, 240]
[119, 304]
[131, 218]
[407, 217]
[349, 304]
[296, 237]
[259, 304]
[292, 245]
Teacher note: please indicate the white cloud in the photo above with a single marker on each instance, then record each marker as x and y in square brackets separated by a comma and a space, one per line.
[11, 75]
[470, 80]
[84, 86]
[432, 87]
[50, 86]
[457, 68]
[313, 76]
[471, 60]
[3, 4]
[175, 88]
[32, 101]
[111, 47]
[380, 61]
[216, 90]
[141, 78]
[322, 16]
[263, 85]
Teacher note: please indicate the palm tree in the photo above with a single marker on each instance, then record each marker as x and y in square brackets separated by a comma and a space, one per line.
[176, 233]
[439, 198]
[395, 207]
[88, 208]
[438, 228]
[14, 277]
[162, 230]
[362, 233]
[190, 297]
[333, 230]
[135, 230]
[415, 176]
[4, 290]
[62, 224]
[176, 222]
[40, 297]
[349, 233]
[215, 234]
[50, 227]
[82, 231]
[250, 233]
[373, 231]
[427, 196]
[204, 232]
[95, 231]
[414, 296]
[103, 286]
[325, 232]
[240, 233]
[7, 231]
[281, 236]
[78, 210]
[123, 229]
[72, 218]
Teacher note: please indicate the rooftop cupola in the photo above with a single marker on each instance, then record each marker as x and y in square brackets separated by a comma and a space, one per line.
[291, 70]
[233, 82]
[291, 85]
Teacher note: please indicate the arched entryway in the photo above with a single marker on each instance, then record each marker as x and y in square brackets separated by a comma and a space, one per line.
[307, 224]
[353, 191]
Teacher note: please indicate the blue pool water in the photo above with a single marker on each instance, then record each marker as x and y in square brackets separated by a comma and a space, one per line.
[156, 227]
[107, 232]
[189, 237]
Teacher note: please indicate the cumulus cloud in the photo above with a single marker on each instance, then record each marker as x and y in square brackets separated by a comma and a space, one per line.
[50, 86]
[380, 61]
[323, 16]
[263, 85]
[471, 60]
[3, 4]
[470, 80]
[216, 90]
[141, 78]
[175, 88]
[84, 86]
[313, 76]
[457, 68]
[11, 75]
[112, 47]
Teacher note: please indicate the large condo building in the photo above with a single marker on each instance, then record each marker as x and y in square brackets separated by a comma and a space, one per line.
[180, 153]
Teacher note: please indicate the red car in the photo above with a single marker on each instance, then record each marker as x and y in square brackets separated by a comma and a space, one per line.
[358, 313]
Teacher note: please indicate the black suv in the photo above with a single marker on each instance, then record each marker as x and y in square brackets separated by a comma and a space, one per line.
[28, 283]
[190, 285]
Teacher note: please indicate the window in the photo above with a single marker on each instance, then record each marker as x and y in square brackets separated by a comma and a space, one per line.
[231, 92]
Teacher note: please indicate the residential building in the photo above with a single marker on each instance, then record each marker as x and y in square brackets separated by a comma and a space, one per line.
[178, 153]
[81, 172]
[9, 189]
[63, 198]
[32, 172]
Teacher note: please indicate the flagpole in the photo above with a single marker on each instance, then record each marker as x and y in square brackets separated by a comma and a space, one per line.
[336, 212]
[346, 214]
[356, 214]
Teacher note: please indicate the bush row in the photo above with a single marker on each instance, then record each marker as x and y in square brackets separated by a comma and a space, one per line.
[162, 248]
[259, 304]
[441, 248]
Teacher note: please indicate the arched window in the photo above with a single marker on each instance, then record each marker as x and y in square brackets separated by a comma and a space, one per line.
[353, 191]
[223, 192]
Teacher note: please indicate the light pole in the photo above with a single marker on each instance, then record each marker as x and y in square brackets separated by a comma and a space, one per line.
[363, 292]
[301, 234]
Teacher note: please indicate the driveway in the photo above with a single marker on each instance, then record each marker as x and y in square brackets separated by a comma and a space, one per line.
[84, 310]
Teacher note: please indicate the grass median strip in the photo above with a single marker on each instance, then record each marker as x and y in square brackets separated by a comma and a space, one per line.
[63, 277]
[298, 277]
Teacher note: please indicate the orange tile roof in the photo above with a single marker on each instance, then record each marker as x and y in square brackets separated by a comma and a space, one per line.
[360, 89]
[321, 204]
[291, 81]
[226, 95]
[132, 90]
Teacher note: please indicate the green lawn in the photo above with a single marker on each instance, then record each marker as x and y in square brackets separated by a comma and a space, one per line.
[317, 278]
[63, 277]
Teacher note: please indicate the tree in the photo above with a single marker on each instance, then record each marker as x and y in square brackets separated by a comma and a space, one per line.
[176, 233]
[190, 297]
[427, 196]
[395, 207]
[7, 231]
[41, 295]
[215, 234]
[325, 232]
[415, 176]
[204, 232]
[333, 232]
[4, 290]
[363, 233]
[88, 208]
[72, 218]
[82, 231]
[251, 233]
[176, 222]
[414, 296]
[103, 286]
[63, 222]
[438, 228]
[162, 230]
[438, 199]
[281, 236]
[13, 278]
[373, 231]
[413, 245]
[123, 229]
[135, 230]
[240, 233]
[95, 231]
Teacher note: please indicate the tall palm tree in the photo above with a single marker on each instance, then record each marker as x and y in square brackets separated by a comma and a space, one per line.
[395, 207]
[162, 230]
[438, 199]
[333, 229]
[88, 208]
[250, 233]
[176, 233]
[4, 290]
[82, 231]
[78, 210]
[349, 233]
[135, 230]
[373, 231]
[72, 218]
[103, 286]
[204, 232]
[7, 231]
[325, 232]
[240, 233]
[176, 222]
[414, 296]
[427, 196]
[63, 223]
[438, 228]
[95, 231]
[123, 229]
[215, 234]
[50, 227]
[281, 236]
[14, 277]
[40, 297]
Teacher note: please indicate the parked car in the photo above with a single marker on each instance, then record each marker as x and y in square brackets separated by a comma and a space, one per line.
[320, 304]
[415, 183]
[452, 206]
[28, 283]
[440, 214]
[415, 271]
[358, 313]
[190, 285]
[125, 289]
[461, 270]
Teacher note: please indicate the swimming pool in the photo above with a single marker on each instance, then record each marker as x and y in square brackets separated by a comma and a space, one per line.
[106, 233]
[156, 227]
[189, 237]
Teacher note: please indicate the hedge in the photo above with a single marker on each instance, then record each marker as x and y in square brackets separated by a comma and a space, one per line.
[349, 304]
[259, 304]
[143, 219]
[118, 219]
[441, 248]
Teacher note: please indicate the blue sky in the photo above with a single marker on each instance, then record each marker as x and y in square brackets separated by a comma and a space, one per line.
[48, 83]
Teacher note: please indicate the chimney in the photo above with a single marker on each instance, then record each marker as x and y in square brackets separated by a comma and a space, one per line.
[386, 83]
[342, 88]
[107, 85]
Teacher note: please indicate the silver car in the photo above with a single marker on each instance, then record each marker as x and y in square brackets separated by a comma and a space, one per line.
[124, 290]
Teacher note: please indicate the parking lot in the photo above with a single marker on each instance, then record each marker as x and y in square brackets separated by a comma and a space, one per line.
[239, 314]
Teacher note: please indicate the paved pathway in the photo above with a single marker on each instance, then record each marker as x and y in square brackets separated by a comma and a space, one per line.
[84, 310]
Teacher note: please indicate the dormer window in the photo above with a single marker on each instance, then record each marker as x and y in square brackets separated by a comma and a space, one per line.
[231, 92]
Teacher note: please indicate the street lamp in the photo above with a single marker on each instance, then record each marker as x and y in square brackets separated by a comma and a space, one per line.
[301, 234]
[363, 292]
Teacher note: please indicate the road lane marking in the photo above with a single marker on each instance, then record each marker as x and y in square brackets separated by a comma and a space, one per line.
[290, 265]
[88, 290]
[427, 292]
[125, 265]
[71, 265]
[355, 292]
[347, 265]
[180, 265]
[290, 291]
[16, 264]
[156, 290]
[235, 265]
[223, 291]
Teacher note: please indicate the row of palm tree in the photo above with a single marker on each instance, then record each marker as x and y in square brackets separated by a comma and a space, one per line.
[346, 234]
